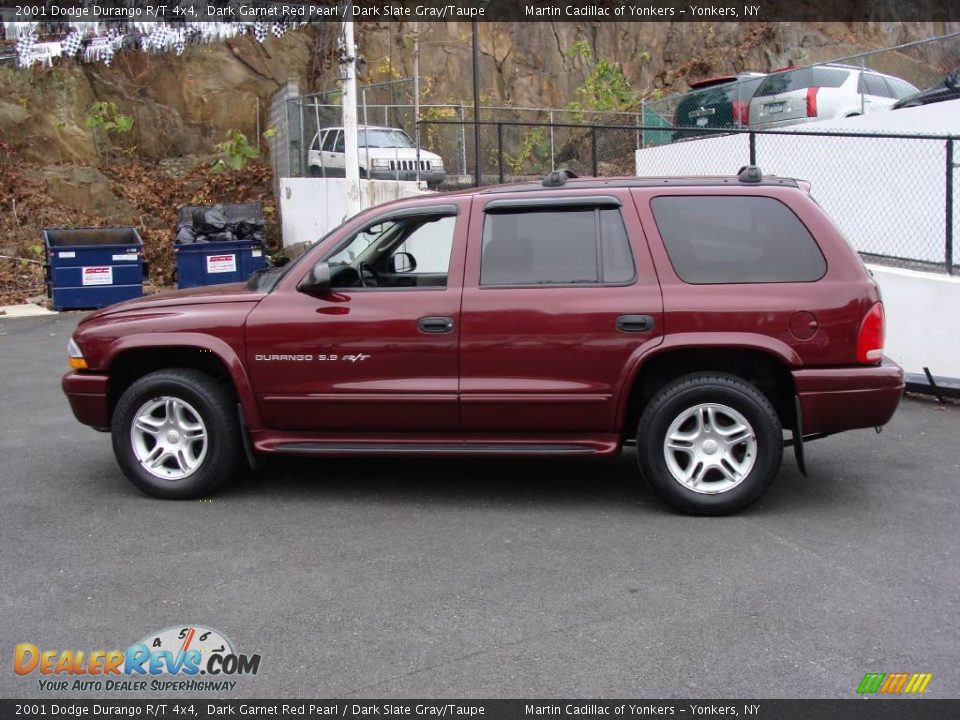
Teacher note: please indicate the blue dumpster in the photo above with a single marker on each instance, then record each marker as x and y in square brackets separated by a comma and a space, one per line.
[219, 244]
[214, 263]
[93, 267]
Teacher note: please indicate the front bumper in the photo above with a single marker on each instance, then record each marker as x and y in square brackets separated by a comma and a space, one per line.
[431, 177]
[87, 395]
[837, 399]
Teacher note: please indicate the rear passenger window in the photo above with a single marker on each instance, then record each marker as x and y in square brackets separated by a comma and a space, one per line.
[555, 247]
[714, 240]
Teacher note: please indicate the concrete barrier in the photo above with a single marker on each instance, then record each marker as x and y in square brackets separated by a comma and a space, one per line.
[311, 207]
[923, 325]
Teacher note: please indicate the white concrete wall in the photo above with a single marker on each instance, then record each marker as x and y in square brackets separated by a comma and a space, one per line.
[888, 196]
[311, 207]
[923, 325]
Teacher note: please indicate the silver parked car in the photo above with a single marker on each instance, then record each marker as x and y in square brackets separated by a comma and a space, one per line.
[823, 92]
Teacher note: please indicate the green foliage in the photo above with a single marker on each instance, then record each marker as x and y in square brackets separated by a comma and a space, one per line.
[269, 133]
[579, 49]
[606, 88]
[534, 150]
[235, 152]
[106, 116]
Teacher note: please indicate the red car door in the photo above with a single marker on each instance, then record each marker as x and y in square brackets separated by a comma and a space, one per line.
[560, 295]
[379, 351]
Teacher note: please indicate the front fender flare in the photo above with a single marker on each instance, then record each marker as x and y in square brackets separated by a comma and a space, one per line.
[225, 352]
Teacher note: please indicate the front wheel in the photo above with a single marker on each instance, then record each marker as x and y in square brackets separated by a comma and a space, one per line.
[709, 444]
[176, 434]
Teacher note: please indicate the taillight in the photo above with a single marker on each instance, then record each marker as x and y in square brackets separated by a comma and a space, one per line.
[741, 113]
[812, 101]
[870, 339]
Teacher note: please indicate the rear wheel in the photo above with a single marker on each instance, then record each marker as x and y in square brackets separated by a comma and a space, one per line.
[709, 444]
[176, 434]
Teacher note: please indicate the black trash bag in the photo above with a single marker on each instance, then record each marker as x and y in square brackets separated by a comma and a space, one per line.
[212, 220]
[246, 229]
[225, 236]
[185, 235]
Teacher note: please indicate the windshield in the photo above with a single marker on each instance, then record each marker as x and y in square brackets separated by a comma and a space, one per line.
[384, 138]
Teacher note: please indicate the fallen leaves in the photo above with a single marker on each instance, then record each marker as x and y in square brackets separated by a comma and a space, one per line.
[156, 192]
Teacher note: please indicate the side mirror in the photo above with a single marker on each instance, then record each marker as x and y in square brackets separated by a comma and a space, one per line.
[403, 262]
[952, 80]
[317, 281]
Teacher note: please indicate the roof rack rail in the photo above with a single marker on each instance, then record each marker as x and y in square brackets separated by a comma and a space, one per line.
[557, 178]
[749, 174]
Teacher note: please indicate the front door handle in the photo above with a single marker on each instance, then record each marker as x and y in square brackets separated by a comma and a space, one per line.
[435, 324]
[635, 323]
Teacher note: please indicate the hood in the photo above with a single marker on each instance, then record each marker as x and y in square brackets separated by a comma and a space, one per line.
[230, 293]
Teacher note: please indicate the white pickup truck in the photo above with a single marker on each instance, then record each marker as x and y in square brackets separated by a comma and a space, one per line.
[386, 153]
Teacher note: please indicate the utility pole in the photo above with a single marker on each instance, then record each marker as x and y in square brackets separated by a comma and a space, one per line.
[348, 65]
[476, 106]
[416, 92]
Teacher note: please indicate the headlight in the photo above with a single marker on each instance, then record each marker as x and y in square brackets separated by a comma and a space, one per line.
[380, 163]
[74, 356]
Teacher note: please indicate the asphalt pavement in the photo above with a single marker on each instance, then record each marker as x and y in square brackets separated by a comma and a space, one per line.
[483, 578]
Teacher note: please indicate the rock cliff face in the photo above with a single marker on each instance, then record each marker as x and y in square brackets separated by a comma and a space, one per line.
[180, 105]
[183, 105]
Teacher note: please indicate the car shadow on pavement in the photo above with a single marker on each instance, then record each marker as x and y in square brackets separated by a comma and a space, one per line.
[612, 482]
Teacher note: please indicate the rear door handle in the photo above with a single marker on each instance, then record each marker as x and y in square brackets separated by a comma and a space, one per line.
[435, 324]
[635, 323]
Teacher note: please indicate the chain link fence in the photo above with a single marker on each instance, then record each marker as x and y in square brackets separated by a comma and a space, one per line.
[447, 129]
[876, 79]
[892, 195]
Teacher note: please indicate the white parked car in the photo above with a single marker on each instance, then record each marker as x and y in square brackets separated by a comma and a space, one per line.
[386, 153]
[823, 92]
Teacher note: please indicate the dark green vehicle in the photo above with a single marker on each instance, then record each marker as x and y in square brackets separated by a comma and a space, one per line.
[717, 102]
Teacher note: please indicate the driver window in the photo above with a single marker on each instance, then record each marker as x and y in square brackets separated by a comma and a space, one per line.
[411, 252]
[328, 138]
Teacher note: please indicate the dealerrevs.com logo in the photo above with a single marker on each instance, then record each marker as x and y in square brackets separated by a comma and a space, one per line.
[181, 658]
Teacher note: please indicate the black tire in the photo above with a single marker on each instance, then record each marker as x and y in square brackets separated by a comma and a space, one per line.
[207, 398]
[683, 396]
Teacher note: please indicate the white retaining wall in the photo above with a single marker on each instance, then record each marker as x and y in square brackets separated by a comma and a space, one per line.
[923, 322]
[887, 195]
[311, 207]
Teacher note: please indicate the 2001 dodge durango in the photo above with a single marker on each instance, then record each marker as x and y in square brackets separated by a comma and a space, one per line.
[696, 317]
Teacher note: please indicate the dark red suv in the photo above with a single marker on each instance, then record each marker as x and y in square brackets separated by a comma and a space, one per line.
[696, 317]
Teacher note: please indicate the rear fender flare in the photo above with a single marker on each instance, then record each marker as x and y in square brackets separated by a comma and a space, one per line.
[697, 341]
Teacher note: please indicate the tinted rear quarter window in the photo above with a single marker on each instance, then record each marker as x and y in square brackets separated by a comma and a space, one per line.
[750, 239]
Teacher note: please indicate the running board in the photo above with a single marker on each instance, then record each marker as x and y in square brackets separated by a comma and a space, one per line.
[325, 448]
